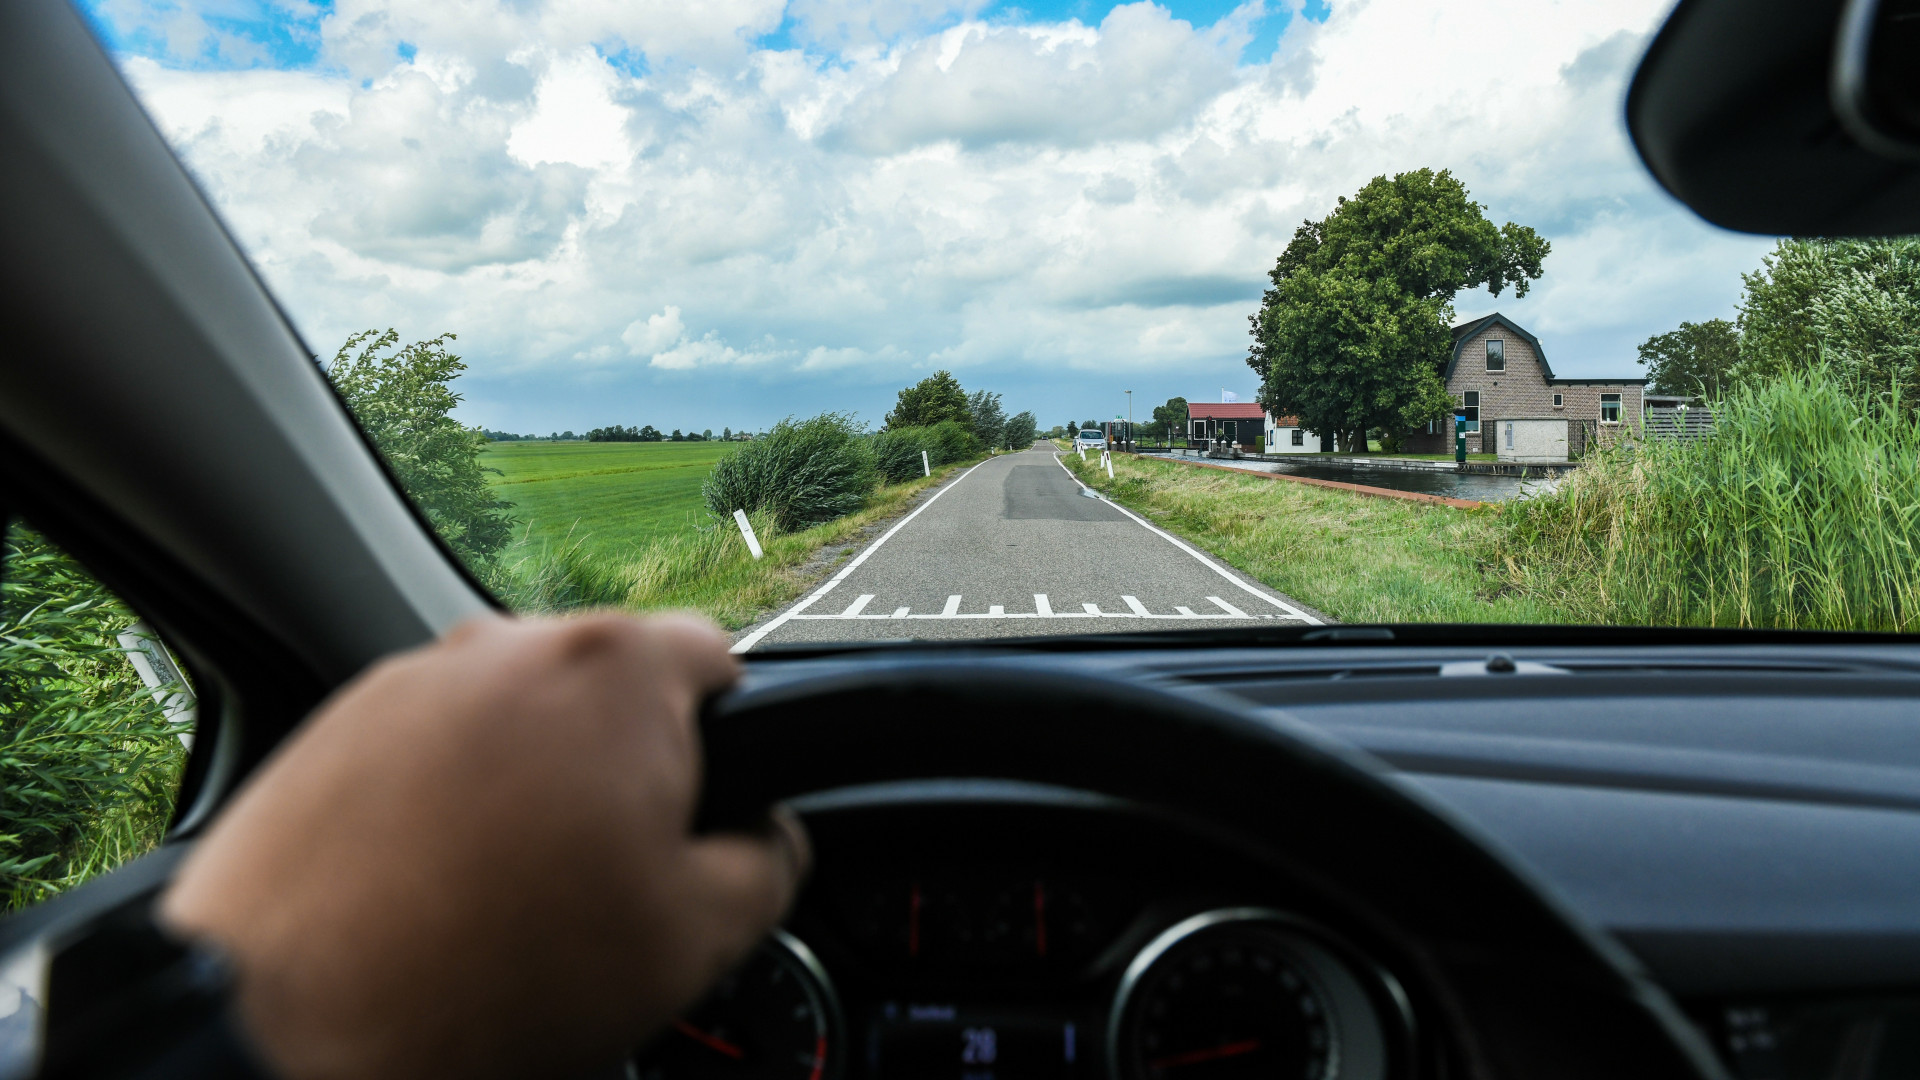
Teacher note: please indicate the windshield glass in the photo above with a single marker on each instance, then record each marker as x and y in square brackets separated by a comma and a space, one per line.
[951, 320]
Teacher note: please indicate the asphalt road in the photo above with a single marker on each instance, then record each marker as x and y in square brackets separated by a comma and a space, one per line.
[1016, 547]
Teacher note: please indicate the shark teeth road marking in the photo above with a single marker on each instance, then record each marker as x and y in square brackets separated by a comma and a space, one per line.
[857, 606]
[1228, 608]
[952, 608]
[1138, 608]
[1041, 607]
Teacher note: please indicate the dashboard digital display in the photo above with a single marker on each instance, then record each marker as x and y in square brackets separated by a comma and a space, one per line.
[946, 1042]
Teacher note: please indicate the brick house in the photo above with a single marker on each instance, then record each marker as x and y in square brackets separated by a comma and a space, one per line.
[1498, 371]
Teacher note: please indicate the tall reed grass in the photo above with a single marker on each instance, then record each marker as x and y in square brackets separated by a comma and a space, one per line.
[89, 763]
[1800, 511]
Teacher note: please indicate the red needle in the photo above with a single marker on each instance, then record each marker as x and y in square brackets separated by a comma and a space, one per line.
[1212, 1053]
[711, 1042]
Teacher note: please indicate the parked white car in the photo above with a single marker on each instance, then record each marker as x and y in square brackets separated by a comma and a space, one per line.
[1090, 439]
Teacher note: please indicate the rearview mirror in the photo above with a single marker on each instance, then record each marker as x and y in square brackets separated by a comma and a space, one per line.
[1876, 75]
[1787, 117]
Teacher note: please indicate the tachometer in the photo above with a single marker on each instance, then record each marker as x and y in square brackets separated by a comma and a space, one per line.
[1243, 992]
[773, 1018]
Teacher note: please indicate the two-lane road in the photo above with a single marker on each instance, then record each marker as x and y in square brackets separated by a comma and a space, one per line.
[1017, 547]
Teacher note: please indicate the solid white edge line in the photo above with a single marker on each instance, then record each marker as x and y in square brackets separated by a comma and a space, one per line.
[1204, 561]
[780, 620]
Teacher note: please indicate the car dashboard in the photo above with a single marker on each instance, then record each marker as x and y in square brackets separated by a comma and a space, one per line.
[1745, 820]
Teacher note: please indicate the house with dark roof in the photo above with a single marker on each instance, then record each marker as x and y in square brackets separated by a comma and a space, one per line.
[1224, 423]
[1498, 371]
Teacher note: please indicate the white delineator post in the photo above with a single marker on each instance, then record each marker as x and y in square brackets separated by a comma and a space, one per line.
[1109, 468]
[925, 465]
[746, 532]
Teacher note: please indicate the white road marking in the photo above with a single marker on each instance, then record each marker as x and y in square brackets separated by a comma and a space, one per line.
[857, 606]
[1185, 611]
[773, 624]
[1228, 608]
[952, 608]
[1138, 607]
[1292, 612]
[899, 613]
[1041, 607]
[996, 609]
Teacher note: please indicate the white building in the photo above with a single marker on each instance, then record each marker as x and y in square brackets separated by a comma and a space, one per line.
[1286, 436]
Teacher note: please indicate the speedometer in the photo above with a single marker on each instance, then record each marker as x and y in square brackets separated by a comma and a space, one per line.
[1243, 992]
[773, 1018]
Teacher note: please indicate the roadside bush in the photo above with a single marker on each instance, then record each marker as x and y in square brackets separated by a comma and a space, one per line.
[896, 451]
[89, 763]
[800, 473]
[1801, 510]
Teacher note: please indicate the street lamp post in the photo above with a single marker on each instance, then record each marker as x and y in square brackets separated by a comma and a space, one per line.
[1129, 420]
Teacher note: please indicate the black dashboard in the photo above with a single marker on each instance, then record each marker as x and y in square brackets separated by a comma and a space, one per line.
[1745, 820]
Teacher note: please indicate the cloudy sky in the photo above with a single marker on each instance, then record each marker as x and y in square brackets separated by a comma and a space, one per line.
[720, 213]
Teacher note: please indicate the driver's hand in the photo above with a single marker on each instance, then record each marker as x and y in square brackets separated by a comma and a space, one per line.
[474, 860]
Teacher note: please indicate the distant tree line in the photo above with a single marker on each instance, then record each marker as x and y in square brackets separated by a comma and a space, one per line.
[649, 433]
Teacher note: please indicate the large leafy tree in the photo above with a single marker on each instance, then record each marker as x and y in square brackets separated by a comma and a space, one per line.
[402, 396]
[933, 399]
[1697, 358]
[1354, 333]
[1853, 305]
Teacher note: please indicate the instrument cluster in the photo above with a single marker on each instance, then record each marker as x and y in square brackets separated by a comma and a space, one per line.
[1008, 976]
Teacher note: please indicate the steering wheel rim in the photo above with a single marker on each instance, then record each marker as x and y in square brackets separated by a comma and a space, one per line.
[1543, 991]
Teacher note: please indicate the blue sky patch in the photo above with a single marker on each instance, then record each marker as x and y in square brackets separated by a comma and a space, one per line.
[231, 34]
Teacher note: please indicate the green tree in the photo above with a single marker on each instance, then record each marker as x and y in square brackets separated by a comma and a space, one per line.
[1853, 305]
[726, 434]
[1020, 431]
[933, 399]
[1354, 334]
[989, 419]
[1169, 418]
[402, 398]
[1072, 429]
[1698, 358]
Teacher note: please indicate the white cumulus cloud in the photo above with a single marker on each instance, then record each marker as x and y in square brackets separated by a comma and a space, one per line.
[1055, 210]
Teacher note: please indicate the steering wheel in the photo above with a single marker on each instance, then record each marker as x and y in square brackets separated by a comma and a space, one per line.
[1528, 989]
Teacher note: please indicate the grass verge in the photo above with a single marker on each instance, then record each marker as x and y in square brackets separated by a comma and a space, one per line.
[1355, 558]
[705, 569]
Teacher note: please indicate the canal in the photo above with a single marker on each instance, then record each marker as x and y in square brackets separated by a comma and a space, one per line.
[1453, 485]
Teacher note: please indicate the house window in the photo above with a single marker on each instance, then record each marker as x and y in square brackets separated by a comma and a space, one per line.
[1509, 434]
[1609, 408]
[1496, 355]
[1299, 437]
[1558, 401]
[1470, 408]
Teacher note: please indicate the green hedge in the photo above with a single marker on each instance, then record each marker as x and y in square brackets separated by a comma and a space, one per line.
[896, 451]
[800, 473]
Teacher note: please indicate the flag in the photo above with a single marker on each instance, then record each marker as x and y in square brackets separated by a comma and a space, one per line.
[1228, 397]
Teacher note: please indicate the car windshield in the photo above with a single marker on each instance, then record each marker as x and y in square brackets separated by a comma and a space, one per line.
[962, 319]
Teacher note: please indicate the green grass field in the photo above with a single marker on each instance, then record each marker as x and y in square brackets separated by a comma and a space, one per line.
[610, 497]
